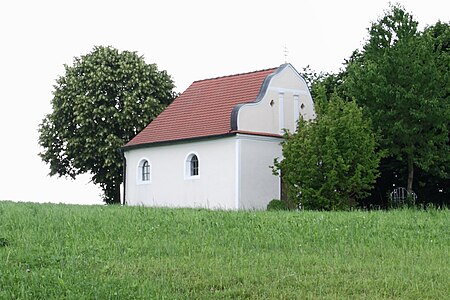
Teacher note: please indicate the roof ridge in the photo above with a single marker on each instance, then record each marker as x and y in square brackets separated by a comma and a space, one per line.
[238, 74]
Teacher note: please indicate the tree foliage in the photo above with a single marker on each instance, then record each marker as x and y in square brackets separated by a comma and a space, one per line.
[330, 163]
[103, 100]
[317, 82]
[401, 77]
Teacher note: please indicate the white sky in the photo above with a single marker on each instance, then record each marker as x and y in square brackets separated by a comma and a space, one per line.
[192, 40]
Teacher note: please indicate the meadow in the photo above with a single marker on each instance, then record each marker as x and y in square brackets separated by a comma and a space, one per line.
[50, 251]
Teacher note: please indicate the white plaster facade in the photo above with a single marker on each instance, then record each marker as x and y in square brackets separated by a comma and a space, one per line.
[230, 176]
[234, 169]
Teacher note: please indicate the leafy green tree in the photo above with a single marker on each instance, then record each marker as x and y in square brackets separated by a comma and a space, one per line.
[310, 75]
[332, 84]
[104, 99]
[330, 163]
[317, 81]
[402, 79]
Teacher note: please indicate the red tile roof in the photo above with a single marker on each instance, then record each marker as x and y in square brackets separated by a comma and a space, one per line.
[204, 109]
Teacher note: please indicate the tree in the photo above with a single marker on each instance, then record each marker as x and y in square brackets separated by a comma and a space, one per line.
[104, 99]
[330, 163]
[317, 81]
[402, 80]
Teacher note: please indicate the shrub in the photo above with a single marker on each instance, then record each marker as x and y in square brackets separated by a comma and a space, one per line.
[330, 163]
[276, 204]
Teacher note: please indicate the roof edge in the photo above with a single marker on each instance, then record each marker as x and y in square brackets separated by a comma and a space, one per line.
[262, 92]
[200, 138]
[179, 141]
[266, 134]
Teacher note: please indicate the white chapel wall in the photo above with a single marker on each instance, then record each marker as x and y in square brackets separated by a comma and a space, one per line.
[258, 184]
[168, 187]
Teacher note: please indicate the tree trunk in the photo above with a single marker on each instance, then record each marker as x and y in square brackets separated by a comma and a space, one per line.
[410, 173]
[116, 199]
[112, 192]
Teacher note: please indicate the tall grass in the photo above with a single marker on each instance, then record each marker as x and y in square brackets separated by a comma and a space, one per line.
[109, 252]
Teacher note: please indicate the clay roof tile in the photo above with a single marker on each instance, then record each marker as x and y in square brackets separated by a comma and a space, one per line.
[204, 109]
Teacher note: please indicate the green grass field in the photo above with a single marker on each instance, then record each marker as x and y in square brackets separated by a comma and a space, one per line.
[99, 252]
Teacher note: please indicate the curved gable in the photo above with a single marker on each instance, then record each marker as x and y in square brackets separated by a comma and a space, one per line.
[283, 98]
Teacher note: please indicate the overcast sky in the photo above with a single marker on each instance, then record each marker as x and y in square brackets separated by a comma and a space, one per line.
[191, 40]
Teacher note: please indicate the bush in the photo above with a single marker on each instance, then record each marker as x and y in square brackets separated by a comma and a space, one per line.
[330, 163]
[276, 204]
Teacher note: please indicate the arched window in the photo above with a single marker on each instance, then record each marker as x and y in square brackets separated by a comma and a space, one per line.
[143, 173]
[192, 166]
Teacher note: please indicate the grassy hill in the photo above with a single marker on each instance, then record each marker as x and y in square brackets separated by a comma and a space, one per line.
[109, 252]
